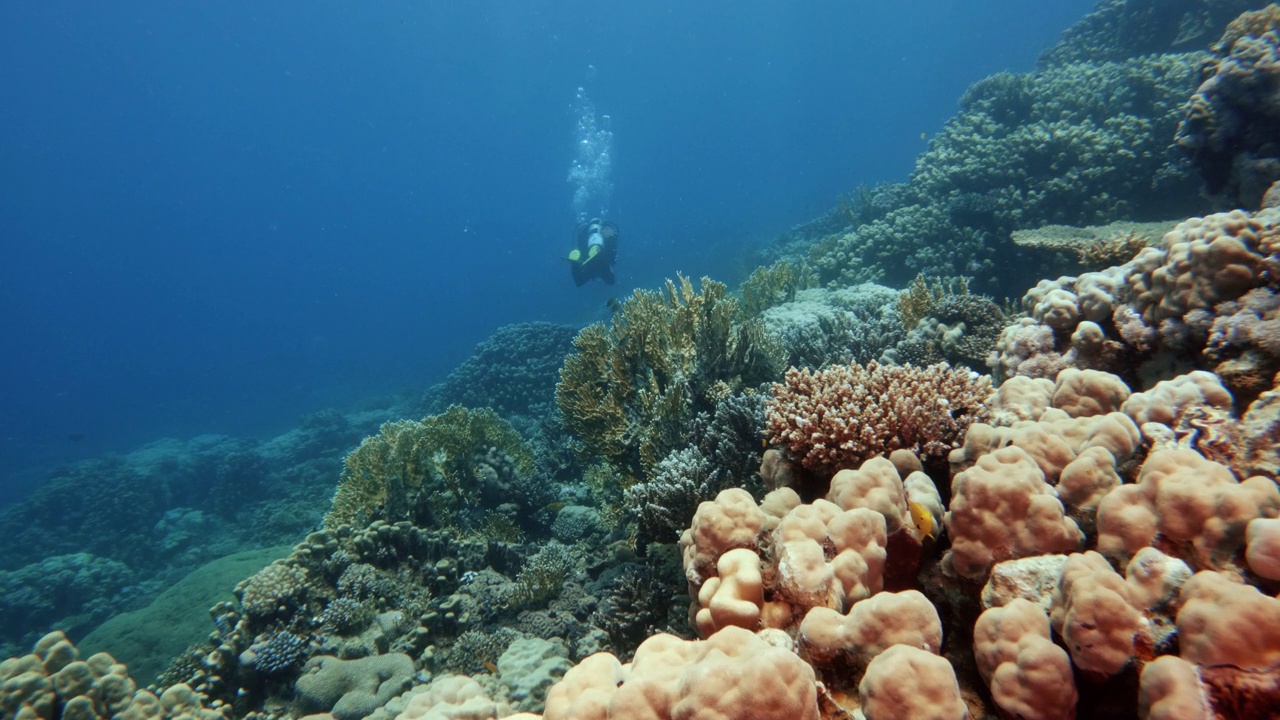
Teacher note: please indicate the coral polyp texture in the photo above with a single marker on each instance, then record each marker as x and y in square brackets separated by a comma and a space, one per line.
[840, 416]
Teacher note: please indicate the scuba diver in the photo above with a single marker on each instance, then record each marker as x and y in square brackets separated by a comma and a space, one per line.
[595, 248]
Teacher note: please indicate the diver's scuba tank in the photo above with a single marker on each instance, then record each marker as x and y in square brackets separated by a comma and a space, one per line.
[595, 238]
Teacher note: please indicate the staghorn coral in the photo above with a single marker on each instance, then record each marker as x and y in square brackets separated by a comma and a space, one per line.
[664, 505]
[960, 329]
[273, 591]
[921, 297]
[726, 454]
[432, 471]
[838, 417]
[630, 388]
[543, 575]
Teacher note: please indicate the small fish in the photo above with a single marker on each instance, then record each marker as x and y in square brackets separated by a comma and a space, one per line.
[922, 518]
[555, 506]
[488, 665]
[613, 304]
[924, 135]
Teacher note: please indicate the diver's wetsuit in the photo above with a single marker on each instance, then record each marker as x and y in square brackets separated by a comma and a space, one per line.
[600, 266]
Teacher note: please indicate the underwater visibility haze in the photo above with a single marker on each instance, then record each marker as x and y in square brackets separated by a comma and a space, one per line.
[220, 217]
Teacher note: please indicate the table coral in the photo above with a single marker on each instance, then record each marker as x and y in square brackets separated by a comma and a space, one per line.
[1185, 303]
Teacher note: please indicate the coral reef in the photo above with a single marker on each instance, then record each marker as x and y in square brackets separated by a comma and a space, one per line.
[1185, 304]
[1097, 536]
[821, 326]
[1076, 144]
[1121, 29]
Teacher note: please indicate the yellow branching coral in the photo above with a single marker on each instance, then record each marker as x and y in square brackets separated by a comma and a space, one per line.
[431, 471]
[922, 296]
[767, 287]
[630, 388]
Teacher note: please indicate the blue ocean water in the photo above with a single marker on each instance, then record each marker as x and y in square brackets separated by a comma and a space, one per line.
[219, 217]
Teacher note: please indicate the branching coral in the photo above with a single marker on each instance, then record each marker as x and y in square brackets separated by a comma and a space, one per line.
[631, 388]
[822, 326]
[770, 286]
[434, 471]
[838, 417]
[922, 297]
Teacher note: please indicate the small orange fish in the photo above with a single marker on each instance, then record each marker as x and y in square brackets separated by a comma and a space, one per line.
[490, 666]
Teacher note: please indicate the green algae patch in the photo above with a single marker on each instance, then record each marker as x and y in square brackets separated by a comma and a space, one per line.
[148, 638]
